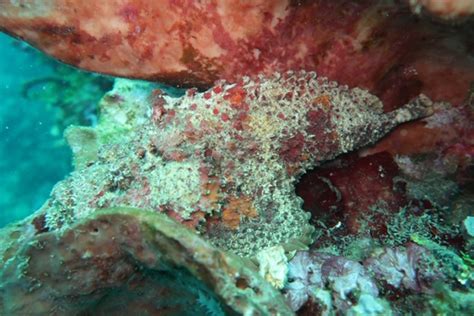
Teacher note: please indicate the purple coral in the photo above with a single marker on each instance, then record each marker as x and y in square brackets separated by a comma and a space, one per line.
[343, 285]
[403, 267]
[312, 271]
[346, 276]
[304, 272]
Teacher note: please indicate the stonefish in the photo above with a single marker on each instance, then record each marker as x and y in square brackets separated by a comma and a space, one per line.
[224, 161]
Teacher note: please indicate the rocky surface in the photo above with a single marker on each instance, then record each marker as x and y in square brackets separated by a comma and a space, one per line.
[224, 161]
[122, 261]
[377, 45]
[383, 222]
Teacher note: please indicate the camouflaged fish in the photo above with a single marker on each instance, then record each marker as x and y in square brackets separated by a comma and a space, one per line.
[224, 161]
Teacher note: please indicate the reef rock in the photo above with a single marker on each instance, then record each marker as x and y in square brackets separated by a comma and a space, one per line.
[122, 262]
[375, 44]
[224, 161]
[337, 285]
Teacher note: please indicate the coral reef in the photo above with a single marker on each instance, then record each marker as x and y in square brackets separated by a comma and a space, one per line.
[397, 209]
[223, 161]
[121, 261]
[346, 191]
[331, 284]
[375, 44]
[349, 191]
[309, 273]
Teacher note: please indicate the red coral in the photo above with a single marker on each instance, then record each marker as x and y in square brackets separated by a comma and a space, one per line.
[195, 43]
[348, 190]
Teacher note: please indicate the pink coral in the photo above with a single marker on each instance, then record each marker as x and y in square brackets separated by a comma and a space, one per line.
[406, 268]
[312, 271]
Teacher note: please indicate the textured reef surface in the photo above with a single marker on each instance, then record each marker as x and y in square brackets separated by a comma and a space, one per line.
[320, 163]
[121, 261]
[367, 43]
[214, 158]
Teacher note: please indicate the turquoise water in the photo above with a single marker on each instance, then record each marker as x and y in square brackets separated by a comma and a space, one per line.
[33, 154]
[31, 158]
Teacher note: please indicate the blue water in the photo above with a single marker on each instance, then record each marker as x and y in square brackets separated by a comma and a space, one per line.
[32, 158]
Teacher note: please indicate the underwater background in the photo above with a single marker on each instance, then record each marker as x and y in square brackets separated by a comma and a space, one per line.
[32, 160]
[317, 159]
[40, 97]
